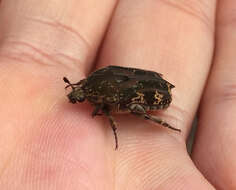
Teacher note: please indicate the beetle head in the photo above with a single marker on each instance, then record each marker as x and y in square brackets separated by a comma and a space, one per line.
[77, 94]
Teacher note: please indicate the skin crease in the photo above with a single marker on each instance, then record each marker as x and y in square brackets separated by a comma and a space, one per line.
[47, 143]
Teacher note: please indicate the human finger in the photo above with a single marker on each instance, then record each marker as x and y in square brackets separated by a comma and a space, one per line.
[44, 142]
[175, 39]
[213, 150]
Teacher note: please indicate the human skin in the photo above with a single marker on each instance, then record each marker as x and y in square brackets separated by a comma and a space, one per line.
[47, 143]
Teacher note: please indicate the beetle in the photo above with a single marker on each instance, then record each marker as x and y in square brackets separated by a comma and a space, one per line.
[115, 89]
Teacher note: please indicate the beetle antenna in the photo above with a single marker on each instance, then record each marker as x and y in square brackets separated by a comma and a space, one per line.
[68, 82]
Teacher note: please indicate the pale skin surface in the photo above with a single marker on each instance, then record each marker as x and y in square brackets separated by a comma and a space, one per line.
[47, 143]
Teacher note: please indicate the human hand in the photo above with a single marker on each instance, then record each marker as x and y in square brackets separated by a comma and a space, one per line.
[47, 143]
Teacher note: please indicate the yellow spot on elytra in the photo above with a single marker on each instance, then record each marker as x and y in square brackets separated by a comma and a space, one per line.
[139, 98]
[158, 97]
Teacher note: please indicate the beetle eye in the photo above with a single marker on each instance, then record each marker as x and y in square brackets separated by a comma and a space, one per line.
[81, 98]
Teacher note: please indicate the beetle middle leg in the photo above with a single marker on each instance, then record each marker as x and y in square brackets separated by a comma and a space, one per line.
[112, 123]
[139, 110]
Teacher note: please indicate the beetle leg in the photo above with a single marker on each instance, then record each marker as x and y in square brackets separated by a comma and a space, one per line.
[139, 110]
[113, 126]
[160, 121]
[96, 110]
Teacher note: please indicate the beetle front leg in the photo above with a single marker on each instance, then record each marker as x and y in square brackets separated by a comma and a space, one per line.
[139, 110]
[97, 109]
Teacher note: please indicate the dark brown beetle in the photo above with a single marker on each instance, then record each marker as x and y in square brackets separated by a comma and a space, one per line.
[122, 89]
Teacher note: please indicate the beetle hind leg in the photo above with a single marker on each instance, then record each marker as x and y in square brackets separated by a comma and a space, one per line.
[139, 110]
[160, 121]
